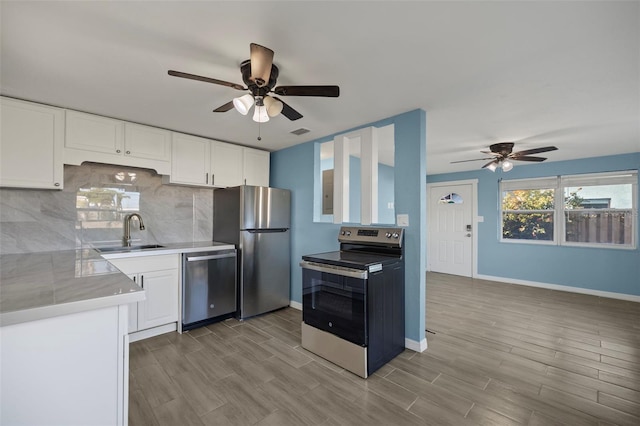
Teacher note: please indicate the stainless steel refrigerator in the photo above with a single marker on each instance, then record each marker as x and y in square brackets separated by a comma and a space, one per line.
[257, 220]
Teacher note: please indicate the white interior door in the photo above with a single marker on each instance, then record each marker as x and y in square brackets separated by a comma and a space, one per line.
[450, 229]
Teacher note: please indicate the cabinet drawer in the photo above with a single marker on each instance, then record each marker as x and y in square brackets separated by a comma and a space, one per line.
[138, 264]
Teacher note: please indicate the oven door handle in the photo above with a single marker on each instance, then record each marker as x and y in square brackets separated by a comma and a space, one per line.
[335, 270]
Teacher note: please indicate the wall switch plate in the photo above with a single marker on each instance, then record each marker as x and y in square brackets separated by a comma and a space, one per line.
[402, 220]
[480, 218]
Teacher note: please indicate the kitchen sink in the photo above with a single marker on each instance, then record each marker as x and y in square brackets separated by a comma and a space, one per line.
[130, 248]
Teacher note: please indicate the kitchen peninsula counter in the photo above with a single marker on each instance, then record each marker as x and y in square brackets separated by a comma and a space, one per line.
[35, 286]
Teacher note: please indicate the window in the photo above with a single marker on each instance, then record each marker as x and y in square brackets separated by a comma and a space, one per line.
[598, 210]
[451, 198]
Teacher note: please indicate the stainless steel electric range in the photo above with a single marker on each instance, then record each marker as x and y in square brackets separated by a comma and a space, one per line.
[353, 299]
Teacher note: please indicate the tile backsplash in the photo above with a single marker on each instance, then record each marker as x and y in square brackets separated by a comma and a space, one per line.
[90, 210]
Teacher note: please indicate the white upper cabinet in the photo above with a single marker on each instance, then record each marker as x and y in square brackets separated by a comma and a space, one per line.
[94, 133]
[226, 164]
[190, 160]
[95, 138]
[204, 162]
[256, 167]
[31, 144]
[147, 142]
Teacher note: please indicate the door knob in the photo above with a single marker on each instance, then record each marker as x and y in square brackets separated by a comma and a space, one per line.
[468, 235]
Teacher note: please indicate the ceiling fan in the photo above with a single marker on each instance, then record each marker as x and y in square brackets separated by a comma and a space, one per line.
[259, 73]
[501, 156]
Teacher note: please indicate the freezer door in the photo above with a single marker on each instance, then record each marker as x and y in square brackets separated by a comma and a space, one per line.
[265, 208]
[265, 272]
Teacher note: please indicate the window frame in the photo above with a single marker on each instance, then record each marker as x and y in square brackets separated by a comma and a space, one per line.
[559, 212]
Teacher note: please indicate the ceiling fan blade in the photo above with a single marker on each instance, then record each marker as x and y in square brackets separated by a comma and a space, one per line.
[475, 159]
[490, 163]
[325, 91]
[289, 112]
[496, 154]
[206, 79]
[526, 158]
[224, 108]
[536, 150]
[261, 61]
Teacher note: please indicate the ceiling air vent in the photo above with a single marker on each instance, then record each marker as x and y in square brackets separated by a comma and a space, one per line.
[300, 131]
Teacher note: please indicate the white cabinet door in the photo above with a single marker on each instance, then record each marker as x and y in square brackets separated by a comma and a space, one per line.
[256, 167]
[226, 164]
[94, 133]
[161, 305]
[66, 370]
[190, 160]
[104, 140]
[159, 276]
[31, 145]
[132, 323]
[147, 142]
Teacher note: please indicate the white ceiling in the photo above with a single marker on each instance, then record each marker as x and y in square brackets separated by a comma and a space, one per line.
[536, 73]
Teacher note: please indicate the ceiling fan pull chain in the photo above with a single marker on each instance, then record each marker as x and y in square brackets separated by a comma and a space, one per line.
[259, 138]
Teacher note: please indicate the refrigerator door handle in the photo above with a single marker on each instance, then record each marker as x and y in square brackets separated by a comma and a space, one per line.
[266, 231]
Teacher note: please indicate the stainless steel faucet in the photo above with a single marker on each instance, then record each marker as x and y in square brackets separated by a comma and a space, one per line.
[126, 240]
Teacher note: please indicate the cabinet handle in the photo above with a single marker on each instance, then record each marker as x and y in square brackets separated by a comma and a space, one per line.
[118, 151]
[142, 281]
[134, 279]
[128, 152]
[56, 184]
[213, 178]
[206, 179]
[245, 181]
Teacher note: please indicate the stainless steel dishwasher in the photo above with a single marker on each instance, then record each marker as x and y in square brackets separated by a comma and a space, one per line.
[209, 287]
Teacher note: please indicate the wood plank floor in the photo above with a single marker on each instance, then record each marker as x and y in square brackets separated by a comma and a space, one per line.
[501, 354]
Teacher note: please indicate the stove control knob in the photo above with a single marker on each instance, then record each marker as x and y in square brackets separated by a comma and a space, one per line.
[342, 233]
[348, 233]
[396, 235]
[388, 235]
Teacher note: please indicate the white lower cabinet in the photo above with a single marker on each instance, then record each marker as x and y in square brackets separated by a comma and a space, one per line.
[66, 370]
[160, 278]
[161, 306]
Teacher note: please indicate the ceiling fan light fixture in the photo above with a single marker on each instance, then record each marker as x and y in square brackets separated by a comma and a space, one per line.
[492, 167]
[243, 104]
[273, 106]
[507, 165]
[260, 114]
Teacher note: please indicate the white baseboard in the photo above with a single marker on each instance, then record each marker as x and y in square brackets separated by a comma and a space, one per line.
[416, 346]
[295, 305]
[580, 290]
[152, 332]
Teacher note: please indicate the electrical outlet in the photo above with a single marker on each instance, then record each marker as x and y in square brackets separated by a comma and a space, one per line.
[402, 220]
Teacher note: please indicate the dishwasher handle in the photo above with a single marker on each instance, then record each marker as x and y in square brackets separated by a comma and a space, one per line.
[209, 257]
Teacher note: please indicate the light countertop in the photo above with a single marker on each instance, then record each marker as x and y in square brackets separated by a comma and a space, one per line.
[171, 248]
[42, 285]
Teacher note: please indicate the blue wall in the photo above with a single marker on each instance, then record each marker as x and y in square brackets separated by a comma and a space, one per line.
[294, 168]
[611, 270]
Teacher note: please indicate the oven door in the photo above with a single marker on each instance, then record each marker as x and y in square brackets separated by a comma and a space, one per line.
[334, 300]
